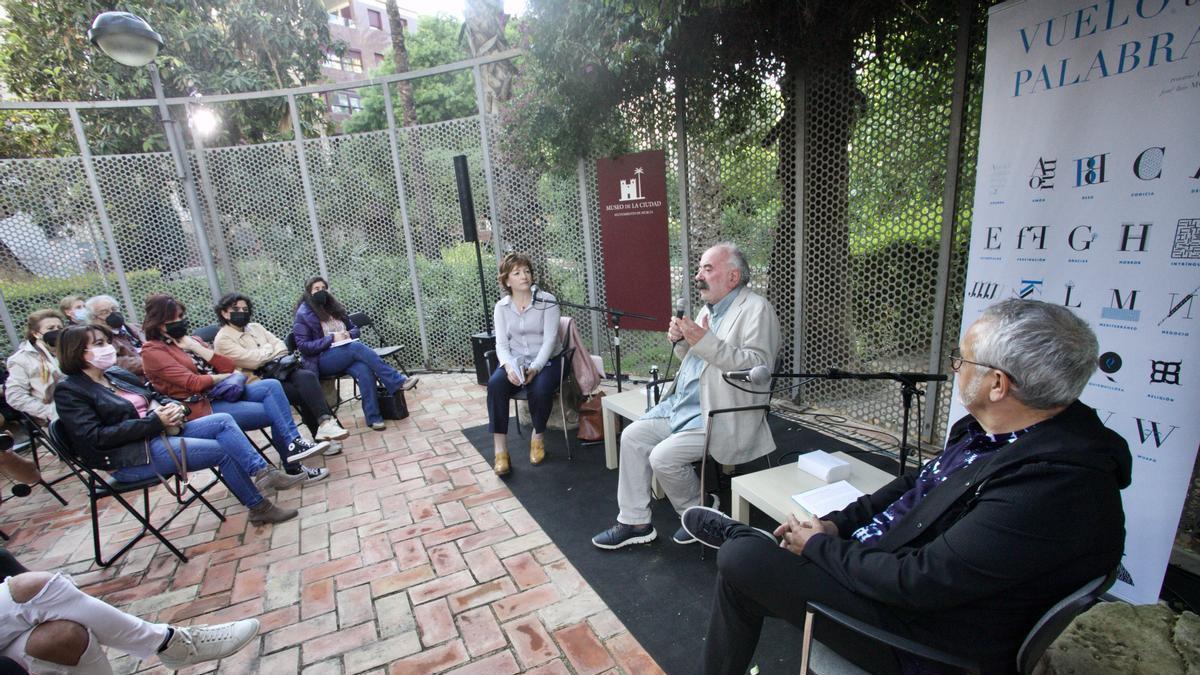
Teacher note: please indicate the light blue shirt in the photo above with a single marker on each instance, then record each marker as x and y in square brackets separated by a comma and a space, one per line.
[682, 407]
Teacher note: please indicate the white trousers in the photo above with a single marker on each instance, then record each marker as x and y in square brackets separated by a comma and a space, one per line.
[60, 600]
[649, 448]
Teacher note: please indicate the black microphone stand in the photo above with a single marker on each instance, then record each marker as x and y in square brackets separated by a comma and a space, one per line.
[908, 387]
[616, 315]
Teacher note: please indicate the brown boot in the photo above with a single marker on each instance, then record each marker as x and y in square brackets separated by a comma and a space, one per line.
[270, 478]
[267, 511]
[537, 450]
[501, 466]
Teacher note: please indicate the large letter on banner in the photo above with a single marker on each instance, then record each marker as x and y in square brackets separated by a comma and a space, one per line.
[633, 229]
[1087, 195]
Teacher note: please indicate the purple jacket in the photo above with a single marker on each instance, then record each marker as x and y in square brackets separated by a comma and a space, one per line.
[311, 339]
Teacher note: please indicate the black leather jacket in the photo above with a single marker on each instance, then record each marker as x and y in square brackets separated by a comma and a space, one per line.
[104, 429]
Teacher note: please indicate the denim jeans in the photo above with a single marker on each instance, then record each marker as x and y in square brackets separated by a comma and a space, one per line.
[212, 440]
[541, 397]
[263, 404]
[365, 366]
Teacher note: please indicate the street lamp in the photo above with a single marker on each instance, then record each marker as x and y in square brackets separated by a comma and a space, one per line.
[130, 41]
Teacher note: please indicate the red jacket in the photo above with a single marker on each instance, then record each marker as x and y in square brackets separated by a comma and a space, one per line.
[173, 373]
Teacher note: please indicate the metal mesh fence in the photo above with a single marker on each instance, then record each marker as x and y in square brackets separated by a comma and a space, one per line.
[865, 197]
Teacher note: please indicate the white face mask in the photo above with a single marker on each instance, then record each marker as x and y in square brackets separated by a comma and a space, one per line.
[102, 357]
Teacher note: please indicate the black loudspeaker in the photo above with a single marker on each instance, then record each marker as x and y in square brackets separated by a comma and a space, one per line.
[465, 203]
[481, 344]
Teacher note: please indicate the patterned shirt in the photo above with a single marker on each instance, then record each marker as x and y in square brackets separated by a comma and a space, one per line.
[977, 444]
[682, 407]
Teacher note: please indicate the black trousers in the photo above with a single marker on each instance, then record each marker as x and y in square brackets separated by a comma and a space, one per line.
[756, 580]
[303, 390]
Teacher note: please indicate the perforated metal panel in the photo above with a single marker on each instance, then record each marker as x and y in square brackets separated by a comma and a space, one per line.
[50, 242]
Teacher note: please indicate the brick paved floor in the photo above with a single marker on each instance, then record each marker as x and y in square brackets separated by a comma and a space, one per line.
[412, 557]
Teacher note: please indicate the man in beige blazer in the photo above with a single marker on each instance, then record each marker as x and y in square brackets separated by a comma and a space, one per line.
[736, 330]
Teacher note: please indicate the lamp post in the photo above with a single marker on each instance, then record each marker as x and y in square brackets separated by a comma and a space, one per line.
[129, 40]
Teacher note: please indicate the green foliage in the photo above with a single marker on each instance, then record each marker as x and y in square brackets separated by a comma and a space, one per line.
[211, 47]
[438, 98]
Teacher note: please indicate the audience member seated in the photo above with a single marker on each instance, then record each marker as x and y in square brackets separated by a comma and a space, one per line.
[74, 308]
[736, 330]
[329, 346]
[117, 424]
[33, 368]
[1021, 508]
[14, 467]
[526, 337]
[47, 625]
[184, 367]
[252, 347]
[127, 337]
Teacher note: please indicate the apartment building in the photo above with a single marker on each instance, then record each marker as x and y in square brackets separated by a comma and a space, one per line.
[363, 26]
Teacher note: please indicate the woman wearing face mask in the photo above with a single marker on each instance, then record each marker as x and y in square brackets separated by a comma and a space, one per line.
[184, 367]
[33, 368]
[127, 337]
[328, 341]
[74, 308]
[120, 426]
[251, 346]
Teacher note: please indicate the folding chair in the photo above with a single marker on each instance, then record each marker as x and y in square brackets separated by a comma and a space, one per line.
[99, 487]
[1039, 638]
[207, 333]
[290, 343]
[361, 320]
[37, 436]
[565, 353]
[708, 423]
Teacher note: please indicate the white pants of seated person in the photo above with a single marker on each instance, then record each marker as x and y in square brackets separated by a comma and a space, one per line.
[60, 600]
[648, 447]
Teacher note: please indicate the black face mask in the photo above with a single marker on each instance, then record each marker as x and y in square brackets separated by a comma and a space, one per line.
[115, 321]
[50, 337]
[239, 319]
[320, 297]
[178, 329]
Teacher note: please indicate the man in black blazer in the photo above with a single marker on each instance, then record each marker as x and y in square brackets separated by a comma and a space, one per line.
[1021, 508]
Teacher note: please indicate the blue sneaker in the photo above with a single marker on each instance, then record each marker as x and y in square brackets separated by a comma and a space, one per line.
[623, 535]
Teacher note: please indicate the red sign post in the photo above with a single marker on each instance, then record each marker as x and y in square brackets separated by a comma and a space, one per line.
[633, 228]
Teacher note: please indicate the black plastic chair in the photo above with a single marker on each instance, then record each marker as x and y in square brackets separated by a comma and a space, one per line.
[99, 487]
[362, 320]
[564, 373]
[1039, 638]
[207, 333]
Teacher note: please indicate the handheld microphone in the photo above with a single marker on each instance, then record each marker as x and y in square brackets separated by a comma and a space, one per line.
[679, 308]
[758, 375]
[535, 290]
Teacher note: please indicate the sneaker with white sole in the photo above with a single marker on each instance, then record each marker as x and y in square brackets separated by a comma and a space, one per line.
[409, 383]
[190, 645]
[682, 536]
[334, 448]
[713, 528]
[330, 430]
[620, 535]
[313, 473]
[299, 449]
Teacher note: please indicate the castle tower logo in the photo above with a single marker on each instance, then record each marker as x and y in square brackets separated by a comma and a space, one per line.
[631, 190]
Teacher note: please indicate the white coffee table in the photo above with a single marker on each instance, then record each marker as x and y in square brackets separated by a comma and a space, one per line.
[771, 490]
[630, 404]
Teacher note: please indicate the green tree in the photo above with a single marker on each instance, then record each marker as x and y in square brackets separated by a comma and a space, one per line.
[211, 47]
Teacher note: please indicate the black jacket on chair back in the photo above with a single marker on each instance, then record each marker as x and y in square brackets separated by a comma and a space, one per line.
[104, 429]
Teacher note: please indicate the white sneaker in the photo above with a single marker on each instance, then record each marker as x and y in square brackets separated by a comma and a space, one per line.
[196, 644]
[331, 431]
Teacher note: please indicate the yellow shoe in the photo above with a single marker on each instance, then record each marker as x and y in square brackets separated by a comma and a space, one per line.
[537, 450]
[501, 466]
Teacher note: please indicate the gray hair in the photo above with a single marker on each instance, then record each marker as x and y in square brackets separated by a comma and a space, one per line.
[1049, 352]
[738, 259]
[97, 299]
